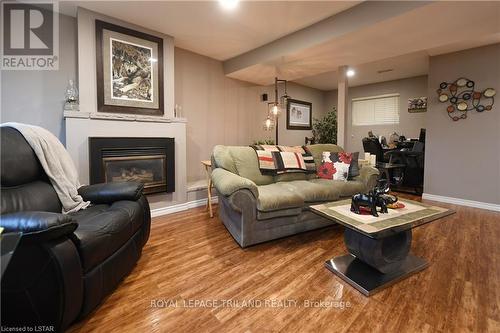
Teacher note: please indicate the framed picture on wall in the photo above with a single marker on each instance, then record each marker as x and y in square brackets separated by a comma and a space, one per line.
[129, 70]
[298, 115]
[417, 104]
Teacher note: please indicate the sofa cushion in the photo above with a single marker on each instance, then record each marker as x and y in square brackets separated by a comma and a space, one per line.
[247, 165]
[278, 196]
[312, 191]
[223, 159]
[345, 188]
[286, 177]
[103, 229]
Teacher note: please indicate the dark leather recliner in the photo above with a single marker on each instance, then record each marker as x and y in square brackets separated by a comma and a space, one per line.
[64, 265]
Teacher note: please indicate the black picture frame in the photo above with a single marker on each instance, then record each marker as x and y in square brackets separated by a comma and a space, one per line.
[291, 124]
[100, 26]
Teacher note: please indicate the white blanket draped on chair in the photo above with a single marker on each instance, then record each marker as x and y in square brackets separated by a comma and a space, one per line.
[56, 163]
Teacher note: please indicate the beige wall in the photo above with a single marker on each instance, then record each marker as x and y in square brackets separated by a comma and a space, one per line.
[409, 123]
[215, 106]
[221, 110]
[37, 97]
[463, 157]
[295, 91]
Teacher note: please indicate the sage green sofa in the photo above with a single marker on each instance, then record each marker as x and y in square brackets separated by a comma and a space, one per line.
[256, 208]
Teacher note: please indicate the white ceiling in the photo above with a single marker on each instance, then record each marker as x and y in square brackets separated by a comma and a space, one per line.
[402, 42]
[433, 29]
[408, 65]
[206, 28]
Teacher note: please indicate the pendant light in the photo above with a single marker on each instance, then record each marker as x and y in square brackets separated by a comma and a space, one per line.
[276, 108]
[284, 98]
[269, 123]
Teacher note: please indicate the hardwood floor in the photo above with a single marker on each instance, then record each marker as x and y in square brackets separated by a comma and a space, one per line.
[192, 257]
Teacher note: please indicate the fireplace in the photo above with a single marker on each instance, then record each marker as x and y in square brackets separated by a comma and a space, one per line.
[147, 160]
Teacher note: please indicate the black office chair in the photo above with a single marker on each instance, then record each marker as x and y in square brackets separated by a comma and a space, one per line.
[418, 147]
[421, 138]
[413, 159]
[373, 146]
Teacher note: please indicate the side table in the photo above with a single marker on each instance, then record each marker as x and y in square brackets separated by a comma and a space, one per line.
[208, 169]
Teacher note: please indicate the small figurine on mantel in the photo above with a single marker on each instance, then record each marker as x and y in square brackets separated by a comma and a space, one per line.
[71, 97]
[177, 111]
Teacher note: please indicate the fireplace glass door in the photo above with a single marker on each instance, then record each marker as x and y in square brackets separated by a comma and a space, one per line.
[149, 169]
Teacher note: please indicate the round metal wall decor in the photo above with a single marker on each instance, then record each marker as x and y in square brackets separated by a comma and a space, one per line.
[443, 98]
[461, 82]
[490, 92]
[462, 106]
[464, 98]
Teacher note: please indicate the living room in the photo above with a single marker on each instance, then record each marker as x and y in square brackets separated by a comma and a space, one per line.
[183, 166]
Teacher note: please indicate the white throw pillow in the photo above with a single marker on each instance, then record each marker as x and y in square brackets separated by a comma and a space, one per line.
[326, 157]
[342, 171]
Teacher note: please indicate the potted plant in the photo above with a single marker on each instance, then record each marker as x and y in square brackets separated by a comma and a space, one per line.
[325, 129]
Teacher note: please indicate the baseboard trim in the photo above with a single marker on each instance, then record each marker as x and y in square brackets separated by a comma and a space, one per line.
[180, 207]
[456, 201]
[462, 202]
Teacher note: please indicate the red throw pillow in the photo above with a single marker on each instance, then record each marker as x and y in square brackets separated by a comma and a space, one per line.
[326, 170]
[347, 158]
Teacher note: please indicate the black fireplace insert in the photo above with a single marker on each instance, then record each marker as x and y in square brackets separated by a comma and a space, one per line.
[147, 160]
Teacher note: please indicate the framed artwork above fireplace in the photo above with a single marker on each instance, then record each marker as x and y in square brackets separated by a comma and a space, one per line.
[129, 70]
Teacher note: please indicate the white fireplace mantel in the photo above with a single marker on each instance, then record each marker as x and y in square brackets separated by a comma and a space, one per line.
[81, 126]
[122, 117]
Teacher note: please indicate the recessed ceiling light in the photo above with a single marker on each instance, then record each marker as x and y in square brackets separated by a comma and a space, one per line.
[350, 72]
[385, 70]
[229, 4]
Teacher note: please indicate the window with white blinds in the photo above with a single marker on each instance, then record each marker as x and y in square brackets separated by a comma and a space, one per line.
[375, 110]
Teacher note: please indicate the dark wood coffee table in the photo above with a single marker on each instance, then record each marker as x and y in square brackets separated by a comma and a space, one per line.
[379, 247]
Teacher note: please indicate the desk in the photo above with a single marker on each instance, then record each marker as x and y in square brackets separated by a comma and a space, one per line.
[386, 149]
[384, 170]
[208, 169]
